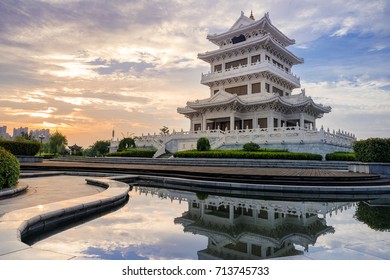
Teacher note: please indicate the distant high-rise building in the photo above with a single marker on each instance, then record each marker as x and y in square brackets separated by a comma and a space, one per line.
[19, 131]
[3, 132]
[38, 133]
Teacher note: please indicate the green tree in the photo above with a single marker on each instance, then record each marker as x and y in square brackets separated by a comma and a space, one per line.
[126, 143]
[376, 217]
[57, 143]
[99, 148]
[164, 130]
[46, 147]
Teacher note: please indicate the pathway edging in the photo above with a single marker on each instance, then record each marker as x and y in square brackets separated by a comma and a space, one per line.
[18, 224]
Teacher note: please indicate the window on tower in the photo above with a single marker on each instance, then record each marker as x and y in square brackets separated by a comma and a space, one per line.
[256, 88]
[267, 87]
[277, 64]
[236, 63]
[255, 59]
[263, 122]
[277, 91]
[218, 68]
[238, 39]
[240, 90]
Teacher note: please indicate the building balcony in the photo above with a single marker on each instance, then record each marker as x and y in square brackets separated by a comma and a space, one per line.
[248, 69]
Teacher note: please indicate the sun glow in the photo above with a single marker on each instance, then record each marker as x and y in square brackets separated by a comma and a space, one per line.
[45, 114]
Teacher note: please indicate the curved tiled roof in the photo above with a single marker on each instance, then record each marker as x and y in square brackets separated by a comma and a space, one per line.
[266, 39]
[245, 24]
[224, 98]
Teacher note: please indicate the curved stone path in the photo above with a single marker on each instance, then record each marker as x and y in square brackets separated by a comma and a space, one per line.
[17, 224]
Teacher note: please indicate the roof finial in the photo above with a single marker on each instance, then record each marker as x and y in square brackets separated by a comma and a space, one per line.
[251, 16]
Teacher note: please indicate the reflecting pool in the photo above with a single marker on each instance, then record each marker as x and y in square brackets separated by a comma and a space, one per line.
[160, 223]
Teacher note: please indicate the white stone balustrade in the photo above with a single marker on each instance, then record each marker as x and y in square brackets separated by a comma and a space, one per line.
[283, 207]
[262, 136]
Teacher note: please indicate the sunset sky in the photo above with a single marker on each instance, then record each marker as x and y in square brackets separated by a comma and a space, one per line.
[90, 66]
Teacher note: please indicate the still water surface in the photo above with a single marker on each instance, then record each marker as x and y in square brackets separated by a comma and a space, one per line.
[159, 223]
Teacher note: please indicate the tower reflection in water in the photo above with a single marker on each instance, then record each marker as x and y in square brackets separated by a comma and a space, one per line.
[243, 228]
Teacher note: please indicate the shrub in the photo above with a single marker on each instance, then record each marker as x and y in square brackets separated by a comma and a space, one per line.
[126, 143]
[133, 153]
[202, 195]
[341, 156]
[203, 144]
[376, 217]
[246, 155]
[251, 147]
[9, 169]
[372, 150]
[24, 148]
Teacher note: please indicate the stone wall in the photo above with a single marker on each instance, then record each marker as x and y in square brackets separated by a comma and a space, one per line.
[383, 169]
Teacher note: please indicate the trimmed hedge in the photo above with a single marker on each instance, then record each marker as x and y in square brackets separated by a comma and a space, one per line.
[49, 155]
[133, 153]
[21, 148]
[341, 156]
[246, 155]
[9, 169]
[372, 150]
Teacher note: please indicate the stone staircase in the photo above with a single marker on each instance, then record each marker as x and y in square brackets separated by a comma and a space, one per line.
[165, 159]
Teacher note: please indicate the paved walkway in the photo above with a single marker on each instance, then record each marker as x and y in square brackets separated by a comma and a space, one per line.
[46, 190]
[50, 203]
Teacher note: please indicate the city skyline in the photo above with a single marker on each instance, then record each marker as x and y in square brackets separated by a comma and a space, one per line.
[17, 131]
[85, 68]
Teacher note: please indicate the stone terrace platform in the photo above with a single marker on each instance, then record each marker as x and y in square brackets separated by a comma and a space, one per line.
[305, 176]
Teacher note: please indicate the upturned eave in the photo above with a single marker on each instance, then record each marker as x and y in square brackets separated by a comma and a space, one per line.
[264, 23]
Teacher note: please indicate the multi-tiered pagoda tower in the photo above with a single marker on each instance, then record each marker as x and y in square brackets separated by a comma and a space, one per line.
[251, 98]
[251, 82]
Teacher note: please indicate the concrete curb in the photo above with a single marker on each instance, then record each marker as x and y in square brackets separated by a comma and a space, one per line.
[264, 190]
[13, 192]
[15, 226]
